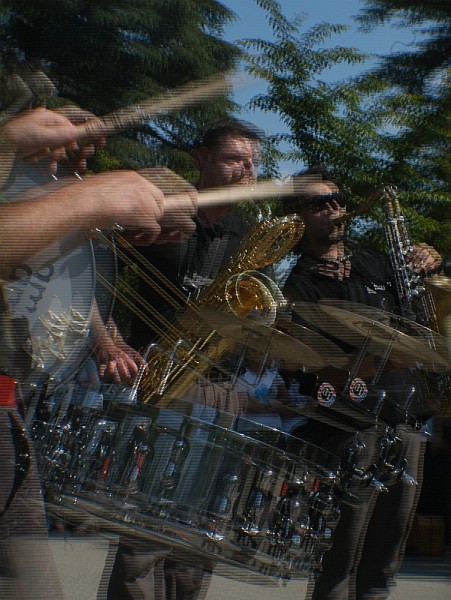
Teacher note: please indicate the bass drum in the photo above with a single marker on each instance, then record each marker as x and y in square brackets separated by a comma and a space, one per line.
[50, 295]
[190, 479]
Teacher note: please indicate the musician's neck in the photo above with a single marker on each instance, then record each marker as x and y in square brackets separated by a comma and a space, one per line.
[212, 214]
[321, 249]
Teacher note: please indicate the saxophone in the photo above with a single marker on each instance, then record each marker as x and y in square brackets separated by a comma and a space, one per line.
[414, 299]
[409, 290]
[190, 348]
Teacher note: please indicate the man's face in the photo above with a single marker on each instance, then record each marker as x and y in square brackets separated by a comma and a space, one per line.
[231, 162]
[319, 213]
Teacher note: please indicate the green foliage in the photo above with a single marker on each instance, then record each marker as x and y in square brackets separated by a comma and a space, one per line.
[106, 54]
[417, 107]
[389, 125]
[326, 121]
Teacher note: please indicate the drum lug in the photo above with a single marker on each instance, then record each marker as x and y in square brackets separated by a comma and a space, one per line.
[171, 473]
[142, 451]
[224, 502]
[257, 502]
[393, 466]
[379, 486]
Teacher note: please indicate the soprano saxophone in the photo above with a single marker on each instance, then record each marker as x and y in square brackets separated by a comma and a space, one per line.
[414, 298]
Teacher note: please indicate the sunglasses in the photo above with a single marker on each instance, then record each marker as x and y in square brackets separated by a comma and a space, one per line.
[318, 203]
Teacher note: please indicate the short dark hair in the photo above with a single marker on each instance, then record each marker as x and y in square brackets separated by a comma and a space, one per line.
[212, 136]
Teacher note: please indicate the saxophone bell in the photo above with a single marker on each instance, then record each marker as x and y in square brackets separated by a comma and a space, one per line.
[253, 295]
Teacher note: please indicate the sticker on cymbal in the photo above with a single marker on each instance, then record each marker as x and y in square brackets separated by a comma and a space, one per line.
[326, 394]
[358, 390]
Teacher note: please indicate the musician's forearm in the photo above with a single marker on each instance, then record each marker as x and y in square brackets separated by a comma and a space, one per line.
[100, 201]
[101, 330]
[26, 228]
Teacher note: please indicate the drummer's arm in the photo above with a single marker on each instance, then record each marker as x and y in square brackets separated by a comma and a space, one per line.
[30, 226]
[99, 201]
[116, 361]
[23, 229]
[48, 137]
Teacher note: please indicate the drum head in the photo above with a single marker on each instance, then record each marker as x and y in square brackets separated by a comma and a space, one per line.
[50, 299]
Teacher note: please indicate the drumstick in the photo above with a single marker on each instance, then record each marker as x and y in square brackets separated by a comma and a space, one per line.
[179, 98]
[257, 191]
[171, 183]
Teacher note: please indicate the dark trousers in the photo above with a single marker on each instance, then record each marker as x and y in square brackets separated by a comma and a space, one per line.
[148, 573]
[370, 537]
[27, 570]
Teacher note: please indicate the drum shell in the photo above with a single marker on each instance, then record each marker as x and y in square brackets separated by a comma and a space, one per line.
[239, 498]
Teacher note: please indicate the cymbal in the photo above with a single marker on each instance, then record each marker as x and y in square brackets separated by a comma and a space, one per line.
[332, 354]
[371, 312]
[426, 348]
[439, 281]
[411, 328]
[262, 338]
[311, 313]
[423, 347]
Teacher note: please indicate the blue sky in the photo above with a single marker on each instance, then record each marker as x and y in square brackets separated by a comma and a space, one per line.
[251, 23]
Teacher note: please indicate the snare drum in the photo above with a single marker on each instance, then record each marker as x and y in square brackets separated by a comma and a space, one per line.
[190, 477]
[73, 442]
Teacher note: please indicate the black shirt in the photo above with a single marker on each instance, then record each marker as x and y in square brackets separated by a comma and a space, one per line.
[370, 283]
[189, 266]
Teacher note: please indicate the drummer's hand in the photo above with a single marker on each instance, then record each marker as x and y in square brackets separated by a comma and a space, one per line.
[425, 258]
[124, 199]
[177, 221]
[38, 131]
[45, 134]
[179, 205]
[117, 362]
[74, 158]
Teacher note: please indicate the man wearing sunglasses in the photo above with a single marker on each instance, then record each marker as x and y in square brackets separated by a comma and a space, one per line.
[370, 537]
